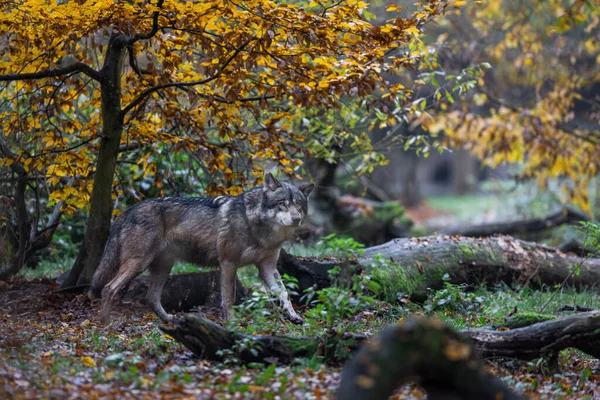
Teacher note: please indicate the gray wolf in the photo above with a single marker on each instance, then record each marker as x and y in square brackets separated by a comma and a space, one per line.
[225, 231]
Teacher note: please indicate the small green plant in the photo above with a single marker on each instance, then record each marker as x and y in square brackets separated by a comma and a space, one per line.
[453, 298]
[340, 247]
[258, 310]
[591, 232]
[331, 305]
[244, 344]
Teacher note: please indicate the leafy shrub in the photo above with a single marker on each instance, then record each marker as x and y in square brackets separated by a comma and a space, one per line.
[453, 298]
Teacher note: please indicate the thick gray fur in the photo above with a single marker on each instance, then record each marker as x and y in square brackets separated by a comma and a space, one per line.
[225, 231]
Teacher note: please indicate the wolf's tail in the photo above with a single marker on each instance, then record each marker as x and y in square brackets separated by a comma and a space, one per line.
[107, 270]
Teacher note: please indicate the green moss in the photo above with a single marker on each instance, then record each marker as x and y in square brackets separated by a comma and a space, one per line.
[491, 254]
[408, 280]
[522, 319]
[466, 250]
[392, 281]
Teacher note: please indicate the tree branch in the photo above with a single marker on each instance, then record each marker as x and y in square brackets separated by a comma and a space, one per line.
[142, 96]
[148, 35]
[44, 237]
[49, 73]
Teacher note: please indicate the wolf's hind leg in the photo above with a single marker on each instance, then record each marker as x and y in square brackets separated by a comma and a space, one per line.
[272, 280]
[228, 275]
[114, 291]
[160, 269]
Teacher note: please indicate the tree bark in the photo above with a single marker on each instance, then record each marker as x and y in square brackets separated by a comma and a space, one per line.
[101, 204]
[183, 292]
[566, 216]
[207, 340]
[541, 339]
[411, 266]
[464, 172]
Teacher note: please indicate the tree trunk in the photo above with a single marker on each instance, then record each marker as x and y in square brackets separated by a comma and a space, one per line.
[464, 172]
[101, 204]
[411, 193]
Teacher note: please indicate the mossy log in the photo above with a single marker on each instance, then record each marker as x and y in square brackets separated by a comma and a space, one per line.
[521, 319]
[440, 360]
[410, 266]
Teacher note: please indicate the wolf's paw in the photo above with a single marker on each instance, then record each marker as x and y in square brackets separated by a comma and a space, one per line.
[167, 319]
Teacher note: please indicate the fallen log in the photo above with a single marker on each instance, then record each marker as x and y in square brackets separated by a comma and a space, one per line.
[208, 340]
[185, 291]
[542, 339]
[519, 227]
[411, 266]
[211, 341]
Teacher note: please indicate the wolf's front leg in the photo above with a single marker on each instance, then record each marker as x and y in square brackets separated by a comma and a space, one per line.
[272, 280]
[228, 275]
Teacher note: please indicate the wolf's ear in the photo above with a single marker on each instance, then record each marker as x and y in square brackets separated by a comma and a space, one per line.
[307, 189]
[270, 182]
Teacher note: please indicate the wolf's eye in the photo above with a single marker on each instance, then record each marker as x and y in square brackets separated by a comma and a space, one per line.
[282, 204]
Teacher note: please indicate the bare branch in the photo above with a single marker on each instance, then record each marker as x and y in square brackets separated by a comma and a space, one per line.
[54, 220]
[50, 73]
[142, 96]
[133, 61]
[76, 146]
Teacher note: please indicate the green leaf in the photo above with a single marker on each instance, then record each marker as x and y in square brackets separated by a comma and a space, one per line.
[374, 287]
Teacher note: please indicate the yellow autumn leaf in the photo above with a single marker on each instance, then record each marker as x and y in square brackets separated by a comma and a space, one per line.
[88, 361]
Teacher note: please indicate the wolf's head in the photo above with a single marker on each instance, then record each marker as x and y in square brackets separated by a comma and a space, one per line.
[285, 204]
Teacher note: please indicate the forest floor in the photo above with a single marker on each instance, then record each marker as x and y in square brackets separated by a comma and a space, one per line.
[51, 346]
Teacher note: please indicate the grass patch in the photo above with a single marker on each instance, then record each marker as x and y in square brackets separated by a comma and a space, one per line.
[47, 269]
[501, 303]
